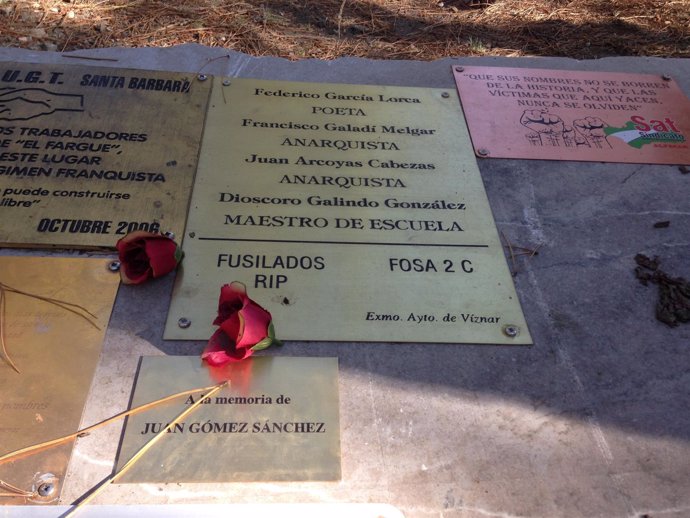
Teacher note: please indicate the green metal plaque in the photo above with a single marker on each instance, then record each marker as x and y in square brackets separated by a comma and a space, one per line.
[56, 352]
[351, 212]
[88, 154]
[278, 420]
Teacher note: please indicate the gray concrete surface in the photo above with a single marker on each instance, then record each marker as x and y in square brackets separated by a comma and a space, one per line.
[593, 420]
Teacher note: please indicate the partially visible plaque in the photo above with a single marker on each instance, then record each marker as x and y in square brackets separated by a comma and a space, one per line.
[56, 352]
[89, 154]
[575, 115]
[278, 420]
[351, 212]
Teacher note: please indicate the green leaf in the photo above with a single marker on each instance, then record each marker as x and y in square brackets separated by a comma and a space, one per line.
[263, 344]
[272, 334]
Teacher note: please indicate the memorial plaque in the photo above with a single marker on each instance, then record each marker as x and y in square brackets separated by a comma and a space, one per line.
[575, 115]
[56, 352]
[88, 154]
[351, 212]
[277, 420]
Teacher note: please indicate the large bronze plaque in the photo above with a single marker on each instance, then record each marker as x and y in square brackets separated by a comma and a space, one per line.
[56, 352]
[89, 154]
[278, 420]
[351, 212]
[575, 115]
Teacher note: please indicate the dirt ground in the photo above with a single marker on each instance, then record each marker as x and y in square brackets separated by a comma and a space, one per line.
[381, 29]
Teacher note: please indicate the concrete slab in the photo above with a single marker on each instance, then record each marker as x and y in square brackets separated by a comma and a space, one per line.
[593, 420]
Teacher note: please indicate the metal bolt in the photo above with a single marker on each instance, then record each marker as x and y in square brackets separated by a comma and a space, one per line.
[114, 266]
[511, 330]
[226, 82]
[202, 77]
[169, 235]
[666, 77]
[184, 323]
[459, 69]
[445, 95]
[483, 151]
[46, 489]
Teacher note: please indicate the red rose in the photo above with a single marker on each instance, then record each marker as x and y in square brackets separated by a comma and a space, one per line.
[245, 327]
[145, 255]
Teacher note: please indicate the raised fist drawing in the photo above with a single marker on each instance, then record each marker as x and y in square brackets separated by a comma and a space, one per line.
[572, 138]
[542, 121]
[22, 104]
[592, 128]
[546, 127]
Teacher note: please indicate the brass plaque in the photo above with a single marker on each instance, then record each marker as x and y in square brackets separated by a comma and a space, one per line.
[278, 420]
[351, 212]
[56, 352]
[574, 115]
[88, 154]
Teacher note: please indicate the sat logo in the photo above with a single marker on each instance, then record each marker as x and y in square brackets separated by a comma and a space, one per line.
[639, 131]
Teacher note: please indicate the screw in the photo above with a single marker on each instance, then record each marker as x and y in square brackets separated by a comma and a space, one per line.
[226, 82]
[169, 235]
[459, 69]
[511, 330]
[114, 266]
[666, 77]
[46, 489]
[184, 323]
[483, 151]
[192, 234]
[445, 95]
[202, 77]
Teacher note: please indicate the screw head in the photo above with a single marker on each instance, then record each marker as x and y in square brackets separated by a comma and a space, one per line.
[511, 330]
[666, 77]
[184, 323]
[445, 95]
[46, 489]
[192, 234]
[114, 266]
[483, 151]
[459, 69]
[202, 77]
[226, 82]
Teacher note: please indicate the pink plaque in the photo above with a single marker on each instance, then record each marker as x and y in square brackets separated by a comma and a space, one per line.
[567, 115]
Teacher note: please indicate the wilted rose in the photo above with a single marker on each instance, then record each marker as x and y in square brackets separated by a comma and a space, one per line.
[245, 327]
[146, 255]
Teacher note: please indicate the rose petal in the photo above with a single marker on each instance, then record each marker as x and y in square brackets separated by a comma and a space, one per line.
[144, 255]
[221, 350]
[134, 275]
[232, 326]
[134, 266]
[255, 320]
[161, 254]
[131, 240]
[233, 297]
